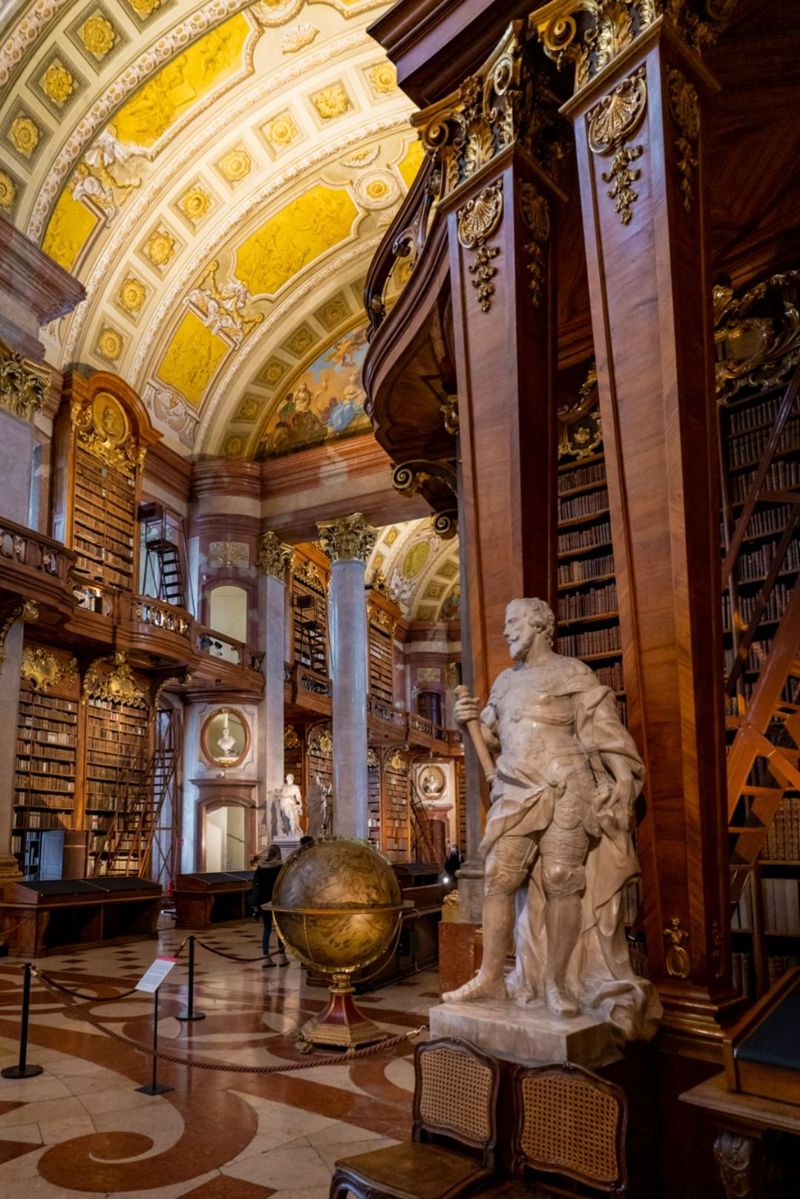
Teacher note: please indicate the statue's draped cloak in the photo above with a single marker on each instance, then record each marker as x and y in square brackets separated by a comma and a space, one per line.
[600, 973]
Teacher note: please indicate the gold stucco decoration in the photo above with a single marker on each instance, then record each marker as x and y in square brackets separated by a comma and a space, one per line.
[144, 8]
[58, 83]
[383, 78]
[24, 135]
[273, 372]
[43, 670]
[160, 248]
[114, 686]
[332, 102]
[248, 409]
[98, 35]
[300, 342]
[348, 538]
[274, 557]
[8, 192]
[22, 384]
[195, 204]
[101, 428]
[132, 294]
[234, 446]
[109, 344]
[235, 165]
[281, 131]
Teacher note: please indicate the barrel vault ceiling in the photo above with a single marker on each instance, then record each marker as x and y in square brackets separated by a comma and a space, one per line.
[218, 175]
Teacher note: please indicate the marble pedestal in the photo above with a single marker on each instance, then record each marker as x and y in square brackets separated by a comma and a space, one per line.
[287, 845]
[528, 1035]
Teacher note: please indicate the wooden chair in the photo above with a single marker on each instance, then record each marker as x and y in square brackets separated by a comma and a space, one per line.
[569, 1121]
[455, 1102]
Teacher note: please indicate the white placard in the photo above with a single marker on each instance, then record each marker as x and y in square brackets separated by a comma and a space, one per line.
[155, 974]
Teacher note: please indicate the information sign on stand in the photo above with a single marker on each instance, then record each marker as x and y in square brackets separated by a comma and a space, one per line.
[150, 981]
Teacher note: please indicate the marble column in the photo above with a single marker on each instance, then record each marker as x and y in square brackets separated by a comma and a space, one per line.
[22, 386]
[274, 564]
[348, 542]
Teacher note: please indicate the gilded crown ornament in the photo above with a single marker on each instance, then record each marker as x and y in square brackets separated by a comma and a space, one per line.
[589, 34]
[116, 685]
[23, 384]
[347, 538]
[274, 558]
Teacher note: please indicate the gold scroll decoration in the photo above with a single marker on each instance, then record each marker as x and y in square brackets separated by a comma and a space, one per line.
[677, 960]
[43, 670]
[611, 124]
[477, 221]
[23, 384]
[102, 429]
[114, 686]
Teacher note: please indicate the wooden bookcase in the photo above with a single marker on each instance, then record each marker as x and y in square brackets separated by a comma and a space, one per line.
[309, 611]
[374, 798]
[766, 921]
[101, 436]
[381, 665]
[395, 820]
[117, 742]
[46, 780]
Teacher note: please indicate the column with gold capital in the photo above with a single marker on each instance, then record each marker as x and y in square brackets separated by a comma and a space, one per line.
[637, 111]
[22, 390]
[274, 564]
[348, 542]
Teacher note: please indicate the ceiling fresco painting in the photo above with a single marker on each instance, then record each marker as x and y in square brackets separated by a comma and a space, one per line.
[218, 175]
[418, 569]
[326, 402]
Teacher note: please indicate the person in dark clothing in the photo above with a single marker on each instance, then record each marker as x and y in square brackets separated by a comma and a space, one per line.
[266, 872]
[452, 862]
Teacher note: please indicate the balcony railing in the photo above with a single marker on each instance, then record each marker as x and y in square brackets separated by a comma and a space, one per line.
[213, 644]
[158, 615]
[25, 547]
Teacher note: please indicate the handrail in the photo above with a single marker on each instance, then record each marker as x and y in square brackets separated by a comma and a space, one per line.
[50, 557]
[405, 238]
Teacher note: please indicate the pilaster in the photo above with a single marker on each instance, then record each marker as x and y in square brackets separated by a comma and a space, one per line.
[274, 565]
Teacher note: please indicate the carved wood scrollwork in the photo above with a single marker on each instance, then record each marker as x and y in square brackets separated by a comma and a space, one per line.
[684, 107]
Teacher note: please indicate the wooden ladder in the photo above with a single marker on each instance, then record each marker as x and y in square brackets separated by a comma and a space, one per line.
[767, 741]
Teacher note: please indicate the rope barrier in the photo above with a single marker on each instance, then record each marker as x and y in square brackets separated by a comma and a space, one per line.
[232, 956]
[54, 986]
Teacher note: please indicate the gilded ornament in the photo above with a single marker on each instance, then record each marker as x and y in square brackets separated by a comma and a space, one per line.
[114, 686]
[24, 610]
[281, 131]
[300, 35]
[235, 166]
[8, 192]
[321, 744]
[449, 408]
[290, 738]
[610, 123]
[109, 344]
[685, 109]
[274, 557]
[300, 342]
[132, 294]
[273, 372]
[618, 114]
[377, 190]
[331, 102]
[24, 135]
[234, 446]
[23, 384]
[383, 78]
[536, 214]
[347, 538]
[44, 670]
[308, 572]
[333, 313]
[144, 8]
[757, 334]
[195, 204]
[160, 248]
[580, 427]
[101, 428]
[57, 83]
[477, 221]
[248, 409]
[677, 960]
[98, 35]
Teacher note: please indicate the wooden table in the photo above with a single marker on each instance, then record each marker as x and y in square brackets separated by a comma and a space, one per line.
[749, 1128]
[214, 897]
[40, 917]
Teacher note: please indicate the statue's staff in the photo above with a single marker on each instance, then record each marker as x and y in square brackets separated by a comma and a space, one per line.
[481, 748]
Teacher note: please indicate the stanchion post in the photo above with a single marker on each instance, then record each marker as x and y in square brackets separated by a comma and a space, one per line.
[155, 1087]
[190, 1013]
[23, 1070]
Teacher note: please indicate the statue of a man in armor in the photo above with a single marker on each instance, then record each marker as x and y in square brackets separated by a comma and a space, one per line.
[557, 847]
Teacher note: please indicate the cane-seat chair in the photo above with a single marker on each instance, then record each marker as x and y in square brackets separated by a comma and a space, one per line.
[454, 1133]
[572, 1123]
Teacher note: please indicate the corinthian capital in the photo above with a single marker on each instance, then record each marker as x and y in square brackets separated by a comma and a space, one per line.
[22, 384]
[504, 103]
[590, 33]
[348, 537]
[274, 558]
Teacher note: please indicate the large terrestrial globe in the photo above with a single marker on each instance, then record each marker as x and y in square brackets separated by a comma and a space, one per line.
[337, 904]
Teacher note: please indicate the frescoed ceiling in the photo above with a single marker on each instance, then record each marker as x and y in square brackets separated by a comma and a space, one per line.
[418, 569]
[218, 175]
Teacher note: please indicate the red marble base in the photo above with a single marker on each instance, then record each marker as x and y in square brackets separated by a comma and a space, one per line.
[460, 953]
[342, 1025]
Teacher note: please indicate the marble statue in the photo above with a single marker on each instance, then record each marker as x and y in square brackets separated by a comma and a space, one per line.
[557, 847]
[291, 808]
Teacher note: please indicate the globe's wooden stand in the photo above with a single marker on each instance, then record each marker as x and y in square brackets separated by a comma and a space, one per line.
[341, 1025]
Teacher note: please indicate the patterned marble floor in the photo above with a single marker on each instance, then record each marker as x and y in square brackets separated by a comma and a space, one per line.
[81, 1127]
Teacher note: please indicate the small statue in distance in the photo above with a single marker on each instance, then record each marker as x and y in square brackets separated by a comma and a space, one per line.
[291, 808]
[557, 846]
